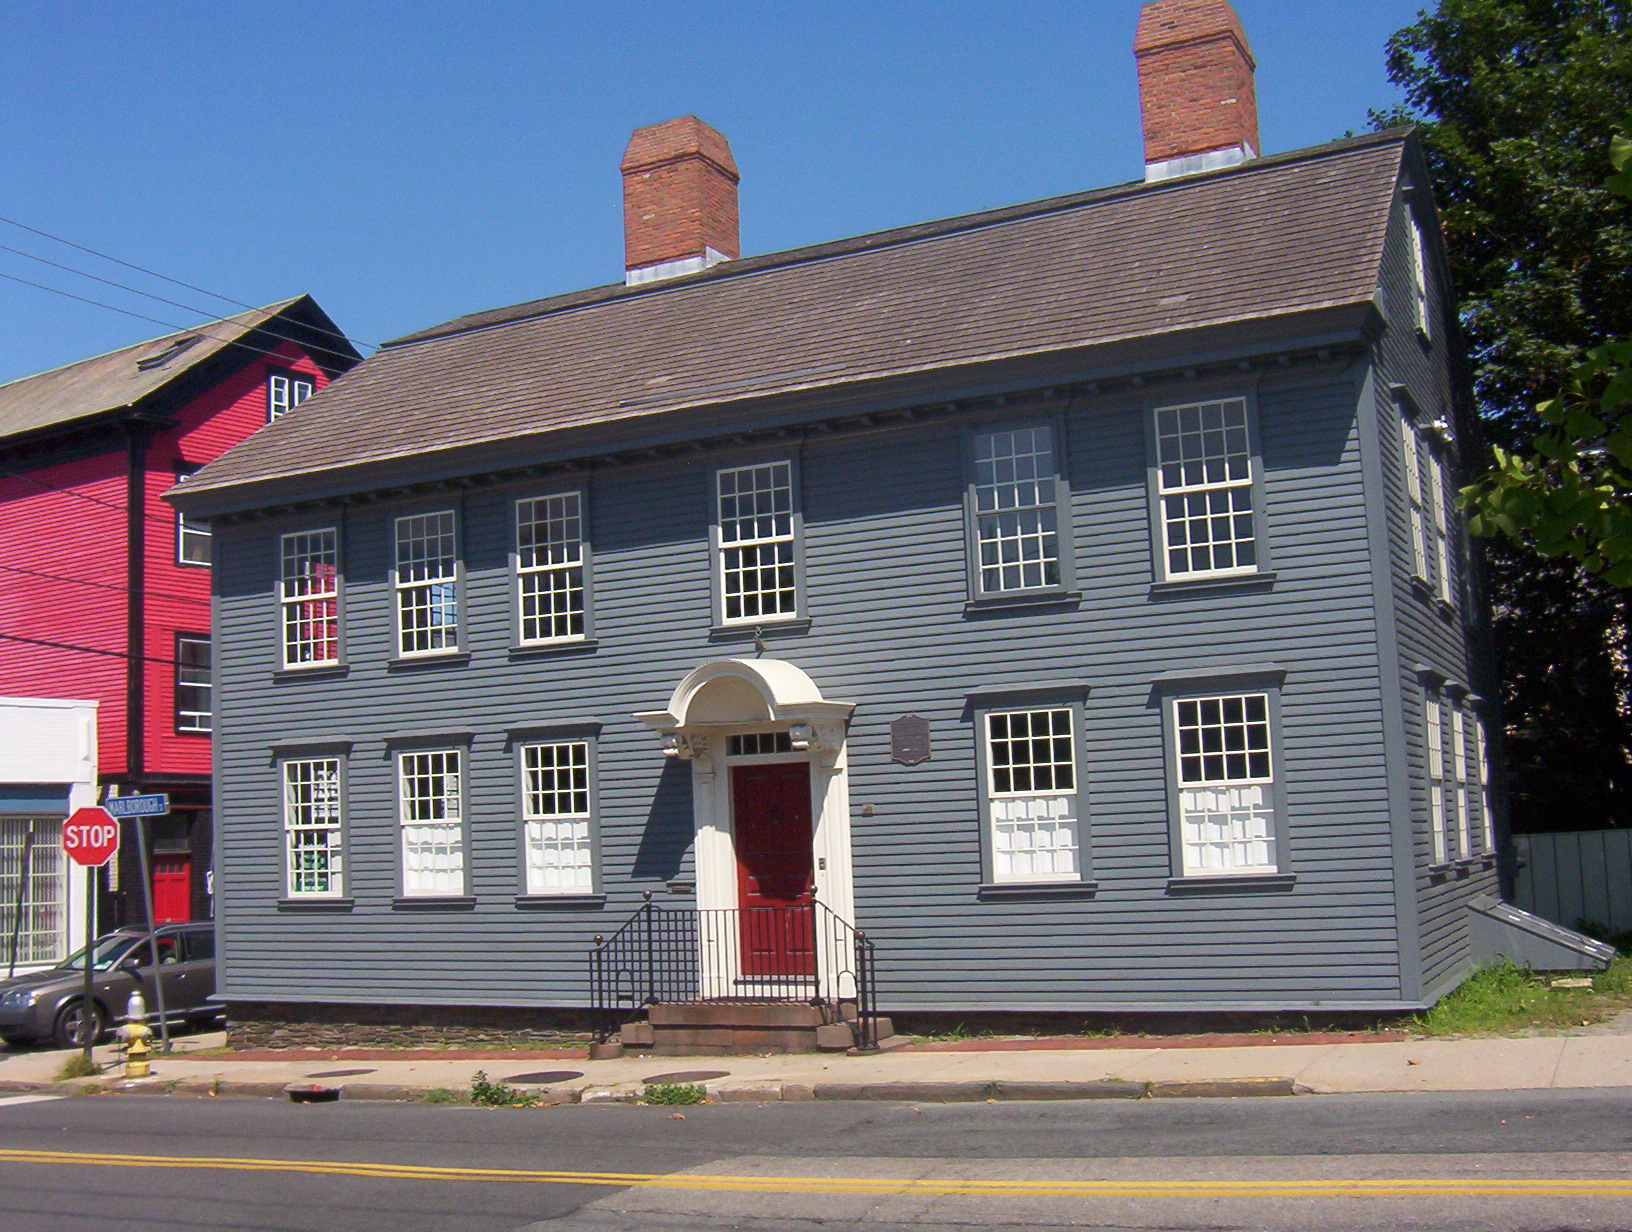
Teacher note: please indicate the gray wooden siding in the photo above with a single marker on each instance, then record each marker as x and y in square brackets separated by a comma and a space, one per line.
[886, 586]
[1448, 643]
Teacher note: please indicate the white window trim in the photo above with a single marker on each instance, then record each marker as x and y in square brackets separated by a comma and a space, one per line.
[208, 686]
[402, 589]
[1253, 484]
[795, 538]
[1419, 275]
[582, 564]
[289, 606]
[455, 823]
[1434, 738]
[1268, 783]
[1459, 779]
[1482, 765]
[334, 845]
[1411, 447]
[283, 391]
[1058, 500]
[586, 817]
[1078, 818]
[1442, 532]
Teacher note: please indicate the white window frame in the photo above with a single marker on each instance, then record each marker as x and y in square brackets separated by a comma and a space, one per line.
[42, 941]
[305, 603]
[285, 390]
[783, 475]
[1411, 448]
[194, 720]
[313, 826]
[1439, 836]
[192, 535]
[1241, 792]
[1442, 531]
[1459, 780]
[1052, 816]
[559, 586]
[427, 584]
[1233, 475]
[1419, 276]
[1018, 520]
[549, 829]
[434, 865]
[1481, 751]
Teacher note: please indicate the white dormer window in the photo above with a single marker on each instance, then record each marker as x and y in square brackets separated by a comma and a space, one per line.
[285, 391]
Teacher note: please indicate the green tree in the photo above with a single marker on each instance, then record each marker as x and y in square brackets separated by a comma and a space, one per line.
[1515, 99]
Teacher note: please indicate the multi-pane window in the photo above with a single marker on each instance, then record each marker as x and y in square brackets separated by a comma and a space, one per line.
[285, 391]
[550, 567]
[1412, 463]
[432, 816]
[427, 584]
[1436, 777]
[759, 744]
[193, 705]
[556, 812]
[311, 827]
[32, 861]
[1032, 795]
[1204, 488]
[192, 535]
[1439, 480]
[1459, 777]
[1016, 515]
[1481, 756]
[758, 576]
[1226, 784]
[1419, 278]
[309, 594]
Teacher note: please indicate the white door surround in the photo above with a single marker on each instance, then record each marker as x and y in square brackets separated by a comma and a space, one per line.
[728, 697]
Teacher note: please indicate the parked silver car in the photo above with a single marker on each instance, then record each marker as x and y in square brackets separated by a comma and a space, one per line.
[49, 1005]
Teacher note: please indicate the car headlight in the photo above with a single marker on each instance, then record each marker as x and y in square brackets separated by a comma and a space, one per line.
[20, 996]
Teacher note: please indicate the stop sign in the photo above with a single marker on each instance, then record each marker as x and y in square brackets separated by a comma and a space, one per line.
[90, 836]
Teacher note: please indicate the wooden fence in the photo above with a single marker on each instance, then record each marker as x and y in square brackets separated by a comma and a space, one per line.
[1576, 875]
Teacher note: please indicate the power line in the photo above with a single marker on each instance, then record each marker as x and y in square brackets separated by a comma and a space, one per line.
[93, 650]
[165, 520]
[124, 590]
[153, 273]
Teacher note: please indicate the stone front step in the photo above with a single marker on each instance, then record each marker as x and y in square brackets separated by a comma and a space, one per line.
[724, 1028]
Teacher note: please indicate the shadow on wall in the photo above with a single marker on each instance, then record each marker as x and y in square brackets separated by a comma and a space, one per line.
[665, 844]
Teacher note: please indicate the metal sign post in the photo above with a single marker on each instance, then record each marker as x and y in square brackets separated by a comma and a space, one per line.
[90, 836]
[141, 808]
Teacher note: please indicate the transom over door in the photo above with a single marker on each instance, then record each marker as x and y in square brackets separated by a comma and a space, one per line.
[775, 867]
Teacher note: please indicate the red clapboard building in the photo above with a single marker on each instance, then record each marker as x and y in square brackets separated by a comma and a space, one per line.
[105, 591]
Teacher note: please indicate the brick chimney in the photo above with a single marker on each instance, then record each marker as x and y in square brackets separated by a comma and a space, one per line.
[679, 200]
[1196, 92]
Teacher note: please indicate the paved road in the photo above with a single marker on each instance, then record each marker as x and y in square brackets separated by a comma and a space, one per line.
[1536, 1160]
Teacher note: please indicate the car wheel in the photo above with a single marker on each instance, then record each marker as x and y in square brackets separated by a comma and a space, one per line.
[68, 1025]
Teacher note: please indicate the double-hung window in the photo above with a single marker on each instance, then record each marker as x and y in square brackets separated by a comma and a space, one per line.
[758, 530]
[1439, 485]
[1481, 761]
[309, 598]
[1459, 777]
[285, 391]
[1419, 277]
[427, 584]
[313, 843]
[557, 814]
[550, 568]
[1411, 462]
[1016, 511]
[432, 817]
[1226, 784]
[193, 686]
[1031, 795]
[192, 535]
[1204, 490]
[1435, 728]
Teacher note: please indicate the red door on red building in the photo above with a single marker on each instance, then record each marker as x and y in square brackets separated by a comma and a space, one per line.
[775, 868]
[172, 889]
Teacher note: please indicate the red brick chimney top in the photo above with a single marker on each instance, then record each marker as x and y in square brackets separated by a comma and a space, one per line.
[679, 200]
[1196, 91]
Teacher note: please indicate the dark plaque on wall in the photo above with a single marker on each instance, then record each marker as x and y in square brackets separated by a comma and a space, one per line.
[909, 739]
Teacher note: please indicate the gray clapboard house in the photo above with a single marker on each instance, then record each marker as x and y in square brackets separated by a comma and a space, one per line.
[1068, 597]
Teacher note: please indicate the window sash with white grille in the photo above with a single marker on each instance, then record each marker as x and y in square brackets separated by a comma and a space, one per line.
[313, 856]
[556, 813]
[1419, 278]
[309, 594]
[1413, 488]
[1481, 763]
[194, 692]
[1436, 779]
[284, 392]
[550, 567]
[1226, 785]
[1205, 489]
[1031, 795]
[427, 584]
[1459, 778]
[758, 557]
[42, 939]
[432, 818]
[1016, 510]
[1439, 481]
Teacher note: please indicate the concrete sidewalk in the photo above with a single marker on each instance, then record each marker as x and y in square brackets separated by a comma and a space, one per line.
[1591, 1060]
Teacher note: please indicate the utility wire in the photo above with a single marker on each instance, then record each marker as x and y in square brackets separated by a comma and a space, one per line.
[172, 302]
[158, 519]
[124, 590]
[140, 269]
[107, 654]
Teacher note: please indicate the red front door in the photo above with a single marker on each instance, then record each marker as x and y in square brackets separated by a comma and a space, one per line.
[775, 870]
[172, 889]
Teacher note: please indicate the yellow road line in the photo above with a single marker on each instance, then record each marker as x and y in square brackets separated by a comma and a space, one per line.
[1535, 1187]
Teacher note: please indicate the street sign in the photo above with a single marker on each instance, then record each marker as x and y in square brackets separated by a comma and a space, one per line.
[90, 836]
[156, 805]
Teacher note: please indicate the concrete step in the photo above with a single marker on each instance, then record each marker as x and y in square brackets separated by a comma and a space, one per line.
[742, 1015]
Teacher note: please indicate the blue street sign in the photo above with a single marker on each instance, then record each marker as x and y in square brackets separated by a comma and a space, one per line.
[138, 806]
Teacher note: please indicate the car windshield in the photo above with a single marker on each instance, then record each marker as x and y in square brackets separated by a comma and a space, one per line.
[105, 954]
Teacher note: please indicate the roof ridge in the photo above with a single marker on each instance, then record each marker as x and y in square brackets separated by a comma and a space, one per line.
[588, 297]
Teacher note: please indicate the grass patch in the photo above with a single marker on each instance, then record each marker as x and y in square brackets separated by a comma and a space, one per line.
[498, 1094]
[440, 1095]
[77, 1066]
[1508, 998]
[674, 1093]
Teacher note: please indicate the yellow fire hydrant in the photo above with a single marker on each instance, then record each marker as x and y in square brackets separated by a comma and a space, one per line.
[135, 1033]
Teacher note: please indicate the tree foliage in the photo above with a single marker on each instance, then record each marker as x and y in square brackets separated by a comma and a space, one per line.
[1515, 100]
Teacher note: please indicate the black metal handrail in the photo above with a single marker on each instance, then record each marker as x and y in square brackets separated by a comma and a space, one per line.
[797, 952]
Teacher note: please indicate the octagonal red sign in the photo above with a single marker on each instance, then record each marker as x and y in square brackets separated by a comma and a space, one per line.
[90, 836]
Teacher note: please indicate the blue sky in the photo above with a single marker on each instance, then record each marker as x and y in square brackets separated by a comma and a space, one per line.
[407, 162]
